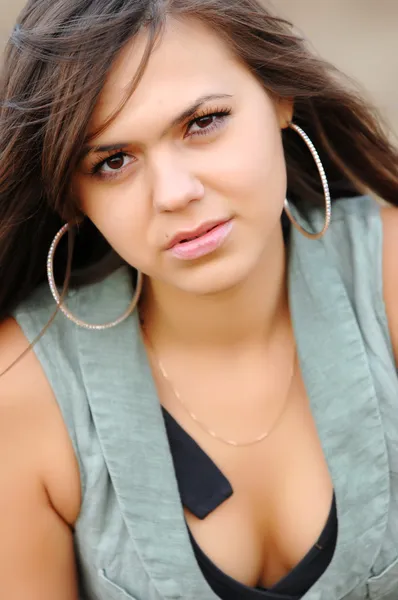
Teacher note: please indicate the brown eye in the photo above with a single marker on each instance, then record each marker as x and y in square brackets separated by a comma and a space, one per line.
[113, 165]
[115, 162]
[205, 122]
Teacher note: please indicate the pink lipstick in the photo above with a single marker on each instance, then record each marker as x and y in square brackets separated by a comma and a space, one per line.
[196, 245]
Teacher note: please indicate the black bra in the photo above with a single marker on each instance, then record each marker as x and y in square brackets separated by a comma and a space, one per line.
[292, 587]
[203, 488]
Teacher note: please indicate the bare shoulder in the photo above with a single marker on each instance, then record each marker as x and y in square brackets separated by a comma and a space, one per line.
[39, 482]
[390, 271]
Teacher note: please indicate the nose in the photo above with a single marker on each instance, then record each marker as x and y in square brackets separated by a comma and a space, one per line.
[174, 185]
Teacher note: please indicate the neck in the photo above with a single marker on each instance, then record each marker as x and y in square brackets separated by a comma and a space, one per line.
[248, 313]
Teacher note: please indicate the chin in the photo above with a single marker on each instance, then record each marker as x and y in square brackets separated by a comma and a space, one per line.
[217, 277]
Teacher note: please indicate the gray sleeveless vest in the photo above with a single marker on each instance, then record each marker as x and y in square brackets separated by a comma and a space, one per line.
[131, 538]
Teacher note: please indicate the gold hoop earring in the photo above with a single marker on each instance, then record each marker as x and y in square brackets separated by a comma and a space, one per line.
[325, 185]
[65, 310]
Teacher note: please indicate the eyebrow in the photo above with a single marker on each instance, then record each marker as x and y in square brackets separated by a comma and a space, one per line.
[183, 116]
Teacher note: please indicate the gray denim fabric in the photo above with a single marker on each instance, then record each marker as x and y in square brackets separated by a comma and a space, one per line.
[131, 537]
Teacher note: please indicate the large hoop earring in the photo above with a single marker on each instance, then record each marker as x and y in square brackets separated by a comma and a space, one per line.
[65, 310]
[325, 185]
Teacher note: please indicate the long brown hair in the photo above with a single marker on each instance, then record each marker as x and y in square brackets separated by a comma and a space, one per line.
[54, 69]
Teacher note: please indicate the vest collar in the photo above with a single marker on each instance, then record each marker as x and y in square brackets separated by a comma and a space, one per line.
[345, 407]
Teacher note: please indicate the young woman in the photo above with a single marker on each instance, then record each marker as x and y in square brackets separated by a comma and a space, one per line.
[202, 401]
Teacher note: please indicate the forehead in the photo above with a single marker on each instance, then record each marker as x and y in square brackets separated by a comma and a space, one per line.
[188, 61]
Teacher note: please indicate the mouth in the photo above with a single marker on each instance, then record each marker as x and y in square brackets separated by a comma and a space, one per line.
[185, 237]
[194, 244]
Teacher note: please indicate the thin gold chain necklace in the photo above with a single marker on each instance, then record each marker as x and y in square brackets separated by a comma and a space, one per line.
[202, 425]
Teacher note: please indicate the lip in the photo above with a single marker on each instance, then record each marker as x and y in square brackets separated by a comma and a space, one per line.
[188, 236]
[202, 241]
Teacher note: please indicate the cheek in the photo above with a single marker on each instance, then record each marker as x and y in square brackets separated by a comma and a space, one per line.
[253, 170]
[122, 216]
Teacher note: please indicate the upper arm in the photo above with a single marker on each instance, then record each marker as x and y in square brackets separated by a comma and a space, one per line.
[390, 272]
[36, 546]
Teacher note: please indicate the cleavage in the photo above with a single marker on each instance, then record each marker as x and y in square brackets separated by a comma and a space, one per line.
[257, 511]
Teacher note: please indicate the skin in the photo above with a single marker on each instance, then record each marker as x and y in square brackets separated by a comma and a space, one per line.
[171, 182]
[180, 180]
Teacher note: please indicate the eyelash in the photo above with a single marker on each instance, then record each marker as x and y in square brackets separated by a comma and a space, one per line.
[220, 115]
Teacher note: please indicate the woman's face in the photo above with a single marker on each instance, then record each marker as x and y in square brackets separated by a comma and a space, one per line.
[196, 154]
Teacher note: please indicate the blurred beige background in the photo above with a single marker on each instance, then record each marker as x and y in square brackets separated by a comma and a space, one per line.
[359, 36]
